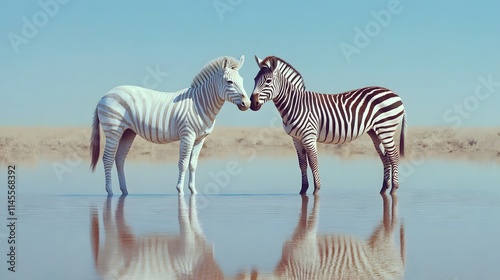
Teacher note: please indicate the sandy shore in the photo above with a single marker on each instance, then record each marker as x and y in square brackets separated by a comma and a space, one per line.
[31, 144]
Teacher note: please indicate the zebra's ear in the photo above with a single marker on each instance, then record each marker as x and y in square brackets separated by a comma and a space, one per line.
[273, 63]
[225, 62]
[242, 60]
[259, 61]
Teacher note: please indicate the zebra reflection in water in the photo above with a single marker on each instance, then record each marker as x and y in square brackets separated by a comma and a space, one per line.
[160, 256]
[309, 255]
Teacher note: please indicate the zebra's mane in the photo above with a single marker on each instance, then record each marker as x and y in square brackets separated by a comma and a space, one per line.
[290, 73]
[213, 67]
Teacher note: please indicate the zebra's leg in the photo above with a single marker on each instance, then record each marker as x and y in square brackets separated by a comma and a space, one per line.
[193, 219]
[183, 217]
[385, 160]
[382, 231]
[107, 217]
[302, 156]
[312, 222]
[123, 149]
[186, 147]
[386, 213]
[125, 236]
[393, 156]
[188, 239]
[193, 162]
[301, 229]
[108, 158]
[312, 158]
[394, 211]
[395, 217]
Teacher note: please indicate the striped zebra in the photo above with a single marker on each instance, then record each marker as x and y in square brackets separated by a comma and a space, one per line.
[187, 116]
[331, 256]
[310, 117]
[123, 255]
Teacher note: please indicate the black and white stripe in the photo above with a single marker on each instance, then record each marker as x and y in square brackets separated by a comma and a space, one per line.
[309, 255]
[310, 117]
[187, 116]
[125, 255]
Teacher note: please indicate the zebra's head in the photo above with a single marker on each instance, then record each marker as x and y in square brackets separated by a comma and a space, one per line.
[232, 89]
[263, 90]
[275, 77]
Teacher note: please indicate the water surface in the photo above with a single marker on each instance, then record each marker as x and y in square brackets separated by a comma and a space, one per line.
[250, 219]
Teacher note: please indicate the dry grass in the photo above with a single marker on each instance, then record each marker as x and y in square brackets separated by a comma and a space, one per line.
[34, 143]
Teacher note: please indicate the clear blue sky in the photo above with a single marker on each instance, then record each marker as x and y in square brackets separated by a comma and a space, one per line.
[431, 53]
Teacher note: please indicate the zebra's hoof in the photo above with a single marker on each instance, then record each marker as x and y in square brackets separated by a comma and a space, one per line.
[384, 189]
[303, 190]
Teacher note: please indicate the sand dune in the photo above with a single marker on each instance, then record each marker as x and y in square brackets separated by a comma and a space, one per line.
[30, 144]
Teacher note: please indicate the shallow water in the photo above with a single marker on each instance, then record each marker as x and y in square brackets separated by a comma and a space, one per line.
[249, 218]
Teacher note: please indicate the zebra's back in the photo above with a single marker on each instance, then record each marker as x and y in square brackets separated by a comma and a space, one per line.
[343, 117]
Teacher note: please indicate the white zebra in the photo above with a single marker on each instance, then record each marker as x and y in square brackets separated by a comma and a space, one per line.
[332, 256]
[156, 256]
[187, 115]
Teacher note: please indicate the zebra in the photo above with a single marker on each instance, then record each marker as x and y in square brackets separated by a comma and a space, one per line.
[310, 117]
[187, 116]
[124, 255]
[308, 255]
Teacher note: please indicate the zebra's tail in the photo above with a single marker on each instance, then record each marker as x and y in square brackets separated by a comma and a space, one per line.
[402, 137]
[95, 141]
[94, 218]
[402, 244]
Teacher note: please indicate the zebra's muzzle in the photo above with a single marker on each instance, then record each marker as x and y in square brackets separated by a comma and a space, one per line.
[255, 106]
[244, 103]
[243, 106]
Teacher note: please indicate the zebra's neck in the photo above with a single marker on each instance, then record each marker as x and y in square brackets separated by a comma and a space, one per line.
[206, 102]
[287, 100]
